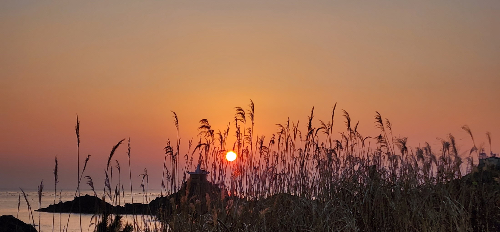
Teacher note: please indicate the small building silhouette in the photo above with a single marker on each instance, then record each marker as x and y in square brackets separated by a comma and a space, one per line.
[197, 188]
[199, 174]
[489, 161]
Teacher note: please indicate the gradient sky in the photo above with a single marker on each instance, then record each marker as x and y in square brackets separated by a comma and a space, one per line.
[123, 66]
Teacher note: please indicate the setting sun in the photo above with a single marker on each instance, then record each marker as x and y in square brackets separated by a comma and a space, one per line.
[230, 156]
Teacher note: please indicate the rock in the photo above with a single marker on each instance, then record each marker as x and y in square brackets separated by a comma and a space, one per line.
[89, 205]
[197, 191]
[9, 223]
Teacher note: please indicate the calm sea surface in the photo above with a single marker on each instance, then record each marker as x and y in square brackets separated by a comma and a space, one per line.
[9, 206]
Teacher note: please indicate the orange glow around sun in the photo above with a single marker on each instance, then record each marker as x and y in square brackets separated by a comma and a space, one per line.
[231, 156]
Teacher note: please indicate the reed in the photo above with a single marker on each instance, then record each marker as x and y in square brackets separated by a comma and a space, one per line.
[488, 135]
[313, 178]
[18, 206]
[317, 182]
[40, 192]
[56, 180]
[77, 131]
[29, 207]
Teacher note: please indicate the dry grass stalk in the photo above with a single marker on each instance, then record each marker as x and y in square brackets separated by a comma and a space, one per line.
[306, 180]
[56, 180]
[40, 192]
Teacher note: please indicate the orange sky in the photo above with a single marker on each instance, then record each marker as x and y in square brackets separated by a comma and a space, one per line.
[122, 66]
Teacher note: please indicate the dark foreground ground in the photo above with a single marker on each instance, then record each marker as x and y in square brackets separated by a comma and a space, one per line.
[471, 203]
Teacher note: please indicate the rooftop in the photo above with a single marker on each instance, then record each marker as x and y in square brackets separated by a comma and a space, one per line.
[198, 171]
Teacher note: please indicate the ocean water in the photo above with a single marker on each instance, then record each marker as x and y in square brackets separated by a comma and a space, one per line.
[64, 222]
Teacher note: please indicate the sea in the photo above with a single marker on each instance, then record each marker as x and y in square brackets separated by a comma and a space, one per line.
[12, 202]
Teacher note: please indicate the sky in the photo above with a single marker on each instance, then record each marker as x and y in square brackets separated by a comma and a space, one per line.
[430, 67]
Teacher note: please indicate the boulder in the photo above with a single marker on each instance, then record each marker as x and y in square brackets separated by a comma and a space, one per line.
[9, 223]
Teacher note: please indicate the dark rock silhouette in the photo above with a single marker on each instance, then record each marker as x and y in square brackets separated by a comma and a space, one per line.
[195, 192]
[9, 223]
[95, 205]
[89, 205]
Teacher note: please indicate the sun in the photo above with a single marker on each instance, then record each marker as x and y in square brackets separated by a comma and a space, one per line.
[230, 156]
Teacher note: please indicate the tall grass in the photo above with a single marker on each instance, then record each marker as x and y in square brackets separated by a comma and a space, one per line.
[308, 177]
[56, 180]
[29, 207]
[315, 181]
[77, 131]
[40, 192]
[18, 205]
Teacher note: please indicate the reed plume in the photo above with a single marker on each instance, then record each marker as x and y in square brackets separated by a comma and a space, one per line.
[77, 130]
[91, 184]
[113, 152]
[488, 135]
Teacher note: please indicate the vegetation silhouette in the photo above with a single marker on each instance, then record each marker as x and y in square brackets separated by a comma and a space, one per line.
[312, 180]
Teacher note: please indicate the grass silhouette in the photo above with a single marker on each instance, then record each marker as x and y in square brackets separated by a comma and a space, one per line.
[314, 180]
